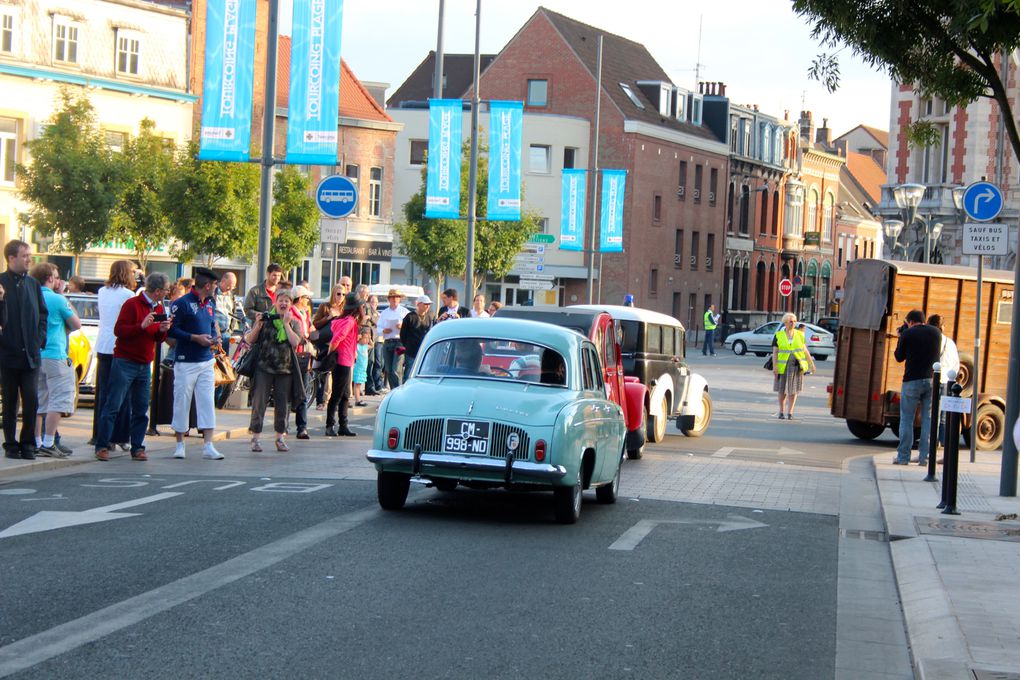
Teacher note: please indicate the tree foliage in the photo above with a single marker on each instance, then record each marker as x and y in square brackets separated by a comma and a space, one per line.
[439, 247]
[142, 215]
[295, 218]
[945, 48]
[214, 208]
[74, 182]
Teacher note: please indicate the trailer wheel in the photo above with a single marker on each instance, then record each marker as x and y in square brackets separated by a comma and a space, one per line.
[966, 375]
[865, 431]
[991, 428]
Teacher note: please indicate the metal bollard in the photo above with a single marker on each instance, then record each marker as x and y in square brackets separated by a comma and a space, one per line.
[933, 430]
[951, 468]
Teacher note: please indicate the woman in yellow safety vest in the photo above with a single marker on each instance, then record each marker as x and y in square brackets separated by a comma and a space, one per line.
[789, 375]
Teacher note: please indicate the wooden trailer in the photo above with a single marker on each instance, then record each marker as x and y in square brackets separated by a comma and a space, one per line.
[877, 296]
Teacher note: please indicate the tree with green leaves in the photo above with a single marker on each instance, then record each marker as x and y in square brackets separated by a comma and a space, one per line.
[142, 215]
[214, 208]
[439, 247]
[73, 183]
[295, 218]
[944, 48]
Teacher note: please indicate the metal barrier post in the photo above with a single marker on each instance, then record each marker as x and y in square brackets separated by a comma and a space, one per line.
[950, 470]
[933, 430]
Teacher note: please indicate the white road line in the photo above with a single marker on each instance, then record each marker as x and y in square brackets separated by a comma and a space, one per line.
[66, 637]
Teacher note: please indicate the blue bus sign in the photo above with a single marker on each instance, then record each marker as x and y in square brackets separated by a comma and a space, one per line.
[336, 196]
[982, 201]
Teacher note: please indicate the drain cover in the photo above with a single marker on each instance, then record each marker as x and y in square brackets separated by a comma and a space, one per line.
[994, 531]
[995, 675]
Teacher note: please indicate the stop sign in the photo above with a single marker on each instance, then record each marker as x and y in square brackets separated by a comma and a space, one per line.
[785, 287]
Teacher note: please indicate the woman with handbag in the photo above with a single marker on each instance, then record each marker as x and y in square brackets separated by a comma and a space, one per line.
[324, 315]
[343, 348]
[274, 337]
[791, 361]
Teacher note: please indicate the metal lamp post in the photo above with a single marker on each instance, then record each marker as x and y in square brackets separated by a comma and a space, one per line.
[892, 230]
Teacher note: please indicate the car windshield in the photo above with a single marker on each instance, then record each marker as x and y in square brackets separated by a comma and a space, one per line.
[486, 358]
[87, 308]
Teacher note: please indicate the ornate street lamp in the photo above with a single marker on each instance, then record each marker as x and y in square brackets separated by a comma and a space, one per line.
[892, 230]
[908, 197]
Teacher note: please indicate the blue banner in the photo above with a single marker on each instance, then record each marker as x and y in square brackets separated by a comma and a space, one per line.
[572, 218]
[442, 190]
[314, 106]
[505, 121]
[225, 134]
[614, 182]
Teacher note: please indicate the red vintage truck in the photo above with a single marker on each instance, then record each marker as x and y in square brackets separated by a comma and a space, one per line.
[601, 329]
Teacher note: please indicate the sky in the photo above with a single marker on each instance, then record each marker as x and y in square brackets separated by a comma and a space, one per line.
[759, 48]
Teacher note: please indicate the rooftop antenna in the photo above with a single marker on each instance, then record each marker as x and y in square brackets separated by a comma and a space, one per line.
[803, 100]
[697, 63]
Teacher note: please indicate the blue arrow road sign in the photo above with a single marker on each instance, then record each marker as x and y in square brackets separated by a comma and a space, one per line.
[336, 196]
[982, 201]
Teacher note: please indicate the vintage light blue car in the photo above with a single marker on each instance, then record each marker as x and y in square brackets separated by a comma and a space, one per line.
[502, 403]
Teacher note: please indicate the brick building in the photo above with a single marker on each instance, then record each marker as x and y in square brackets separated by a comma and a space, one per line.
[673, 217]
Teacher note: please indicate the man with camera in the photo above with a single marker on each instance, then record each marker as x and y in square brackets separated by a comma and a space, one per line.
[141, 325]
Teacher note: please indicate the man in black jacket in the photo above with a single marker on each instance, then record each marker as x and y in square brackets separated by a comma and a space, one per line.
[919, 345]
[23, 321]
[413, 330]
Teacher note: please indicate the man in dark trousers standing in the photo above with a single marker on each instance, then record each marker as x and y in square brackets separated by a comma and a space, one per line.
[918, 346]
[23, 321]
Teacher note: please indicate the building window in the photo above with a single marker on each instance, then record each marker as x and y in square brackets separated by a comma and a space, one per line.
[375, 192]
[128, 43]
[812, 212]
[827, 218]
[839, 252]
[746, 148]
[569, 157]
[698, 173]
[653, 282]
[734, 136]
[713, 185]
[678, 250]
[538, 158]
[543, 225]
[709, 251]
[8, 150]
[352, 172]
[745, 200]
[695, 238]
[681, 190]
[7, 32]
[538, 92]
[115, 141]
[630, 95]
[419, 148]
[65, 40]
[657, 207]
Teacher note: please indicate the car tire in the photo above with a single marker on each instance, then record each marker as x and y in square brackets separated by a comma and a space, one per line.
[445, 485]
[392, 488]
[635, 454]
[701, 424]
[820, 357]
[739, 348]
[608, 493]
[656, 425]
[863, 430]
[991, 428]
[567, 502]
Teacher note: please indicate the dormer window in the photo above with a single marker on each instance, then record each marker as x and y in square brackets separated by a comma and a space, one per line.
[7, 24]
[65, 40]
[630, 95]
[128, 45]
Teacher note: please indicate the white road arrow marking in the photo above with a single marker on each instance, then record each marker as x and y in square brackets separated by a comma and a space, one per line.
[633, 536]
[782, 451]
[51, 519]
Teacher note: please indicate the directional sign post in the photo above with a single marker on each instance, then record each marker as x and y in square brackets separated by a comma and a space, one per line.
[982, 201]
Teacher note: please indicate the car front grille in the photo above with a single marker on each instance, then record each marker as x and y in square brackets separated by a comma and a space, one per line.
[427, 432]
[498, 447]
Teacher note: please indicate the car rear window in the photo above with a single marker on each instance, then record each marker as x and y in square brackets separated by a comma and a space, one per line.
[485, 358]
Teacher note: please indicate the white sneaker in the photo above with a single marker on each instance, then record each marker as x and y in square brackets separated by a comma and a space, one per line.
[210, 453]
[179, 451]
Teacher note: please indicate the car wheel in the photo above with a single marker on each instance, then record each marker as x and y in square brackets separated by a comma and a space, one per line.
[608, 493]
[567, 502]
[656, 425]
[392, 489]
[444, 484]
[991, 427]
[740, 348]
[865, 431]
[820, 357]
[701, 423]
[635, 454]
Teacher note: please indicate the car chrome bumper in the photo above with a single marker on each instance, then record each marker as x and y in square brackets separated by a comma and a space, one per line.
[453, 463]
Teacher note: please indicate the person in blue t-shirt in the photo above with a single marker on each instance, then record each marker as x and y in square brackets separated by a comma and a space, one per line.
[195, 330]
[56, 376]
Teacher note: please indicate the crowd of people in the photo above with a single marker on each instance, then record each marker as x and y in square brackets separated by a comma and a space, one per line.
[354, 348]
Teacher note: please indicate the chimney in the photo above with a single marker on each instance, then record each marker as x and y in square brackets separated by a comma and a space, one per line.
[807, 126]
[722, 89]
[824, 135]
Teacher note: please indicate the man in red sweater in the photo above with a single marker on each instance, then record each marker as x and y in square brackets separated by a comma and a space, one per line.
[141, 326]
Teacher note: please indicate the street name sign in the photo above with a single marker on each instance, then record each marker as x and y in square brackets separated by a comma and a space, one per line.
[982, 201]
[985, 238]
[542, 238]
[535, 284]
[533, 248]
[336, 196]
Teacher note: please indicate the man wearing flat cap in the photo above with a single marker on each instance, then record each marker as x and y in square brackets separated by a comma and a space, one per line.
[416, 325]
[195, 331]
[390, 320]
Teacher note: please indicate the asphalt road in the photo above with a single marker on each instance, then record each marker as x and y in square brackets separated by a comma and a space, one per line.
[309, 578]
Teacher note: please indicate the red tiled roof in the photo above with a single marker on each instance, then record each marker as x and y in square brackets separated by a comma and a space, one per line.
[868, 174]
[355, 101]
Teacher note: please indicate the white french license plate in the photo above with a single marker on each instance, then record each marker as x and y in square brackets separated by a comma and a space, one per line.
[467, 436]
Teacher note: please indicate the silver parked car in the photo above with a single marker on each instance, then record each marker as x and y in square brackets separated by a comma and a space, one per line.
[820, 342]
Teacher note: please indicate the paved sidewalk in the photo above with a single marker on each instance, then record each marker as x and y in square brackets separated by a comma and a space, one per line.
[960, 592]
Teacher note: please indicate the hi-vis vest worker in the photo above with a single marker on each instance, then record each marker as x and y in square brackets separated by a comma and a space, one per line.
[709, 320]
[786, 346]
